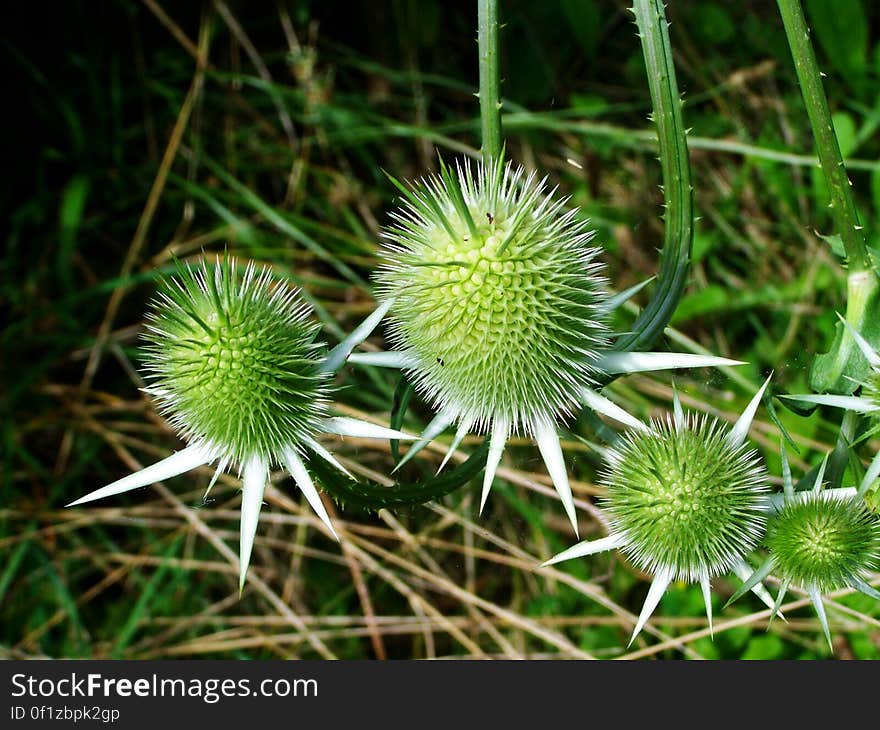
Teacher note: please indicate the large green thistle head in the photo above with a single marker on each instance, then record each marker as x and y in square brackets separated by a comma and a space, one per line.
[685, 500]
[823, 542]
[233, 364]
[498, 301]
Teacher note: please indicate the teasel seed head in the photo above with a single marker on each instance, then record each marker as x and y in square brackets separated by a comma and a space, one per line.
[499, 304]
[234, 367]
[233, 364]
[685, 501]
[823, 542]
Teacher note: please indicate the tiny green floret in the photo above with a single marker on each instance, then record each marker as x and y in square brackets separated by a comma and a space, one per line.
[233, 363]
[822, 542]
[686, 501]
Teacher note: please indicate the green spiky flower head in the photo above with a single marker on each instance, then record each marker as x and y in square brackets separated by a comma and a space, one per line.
[685, 500]
[233, 363]
[234, 366]
[824, 542]
[497, 295]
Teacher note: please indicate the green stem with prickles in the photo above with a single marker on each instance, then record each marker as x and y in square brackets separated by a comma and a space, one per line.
[843, 207]
[371, 496]
[490, 100]
[675, 165]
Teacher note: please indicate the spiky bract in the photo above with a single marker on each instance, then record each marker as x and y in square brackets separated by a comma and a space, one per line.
[233, 363]
[871, 389]
[822, 542]
[498, 299]
[685, 500]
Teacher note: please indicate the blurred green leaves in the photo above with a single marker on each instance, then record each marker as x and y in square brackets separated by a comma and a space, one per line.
[841, 27]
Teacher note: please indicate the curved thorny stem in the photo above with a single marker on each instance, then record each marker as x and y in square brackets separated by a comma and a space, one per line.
[370, 496]
[677, 189]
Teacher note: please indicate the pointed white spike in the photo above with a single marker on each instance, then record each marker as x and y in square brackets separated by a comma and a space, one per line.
[221, 467]
[344, 426]
[304, 481]
[706, 586]
[462, 431]
[780, 597]
[551, 451]
[587, 547]
[496, 447]
[820, 475]
[787, 483]
[750, 578]
[655, 593]
[618, 299]
[601, 404]
[740, 430]
[615, 363]
[869, 352]
[744, 572]
[397, 360]
[775, 502]
[677, 412]
[178, 463]
[847, 402]
[337, 356]
[437, 426]
[816, 598]
[865, 588]
[319, 449]
[253, 484]
[870, 475]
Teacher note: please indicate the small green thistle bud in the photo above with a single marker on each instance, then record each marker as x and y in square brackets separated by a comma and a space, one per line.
[685, 501]
[233, 364]
[498, 298]
[823, 542]
[820, 540]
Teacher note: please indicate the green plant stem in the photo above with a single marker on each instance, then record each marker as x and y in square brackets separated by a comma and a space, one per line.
[490, 100]
[840, 456]
[843, 208]
[372, 496]
[675, 165]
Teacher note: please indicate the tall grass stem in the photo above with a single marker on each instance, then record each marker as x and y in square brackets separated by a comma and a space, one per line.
[675, 164]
